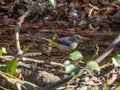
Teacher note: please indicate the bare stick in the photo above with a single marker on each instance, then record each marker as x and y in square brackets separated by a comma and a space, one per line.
[32, 60]
[17, 31]
[42, 61]
[18, 26]
[14, 81]
[109, 49]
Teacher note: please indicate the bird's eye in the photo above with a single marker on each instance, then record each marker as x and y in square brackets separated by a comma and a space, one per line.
[78, 38]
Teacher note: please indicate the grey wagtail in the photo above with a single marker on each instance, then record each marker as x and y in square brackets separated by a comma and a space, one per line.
[66, 43]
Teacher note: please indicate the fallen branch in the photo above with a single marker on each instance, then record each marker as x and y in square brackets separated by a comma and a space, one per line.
[42, 61]
[18, 26]
[24, 59]
[53, 85]
[15, 81]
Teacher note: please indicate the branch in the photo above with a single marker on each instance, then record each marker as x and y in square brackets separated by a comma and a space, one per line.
[42, 61]
[24, 59]
[109, 49]
[15, 81]
[18, 26]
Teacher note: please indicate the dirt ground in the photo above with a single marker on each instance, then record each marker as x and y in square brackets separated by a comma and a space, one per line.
[103, 37]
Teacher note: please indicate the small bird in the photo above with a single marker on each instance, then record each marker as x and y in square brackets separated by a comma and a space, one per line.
[66, 43]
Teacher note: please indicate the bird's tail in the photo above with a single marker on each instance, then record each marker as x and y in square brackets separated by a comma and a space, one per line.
[50, 41]
[46, 39]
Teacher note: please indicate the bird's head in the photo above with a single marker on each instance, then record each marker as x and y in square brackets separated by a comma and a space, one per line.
[76, 38]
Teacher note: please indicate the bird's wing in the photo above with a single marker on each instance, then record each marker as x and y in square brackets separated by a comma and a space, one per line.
[66, 41]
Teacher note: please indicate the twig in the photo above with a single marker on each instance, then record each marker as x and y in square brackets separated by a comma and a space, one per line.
[109, 49]
[53, 85]
[14, 81]
[92, 9]
[32, 60]
[7, 57]
[3, 88]
[30, 54]
[42, 61]
[18, 26]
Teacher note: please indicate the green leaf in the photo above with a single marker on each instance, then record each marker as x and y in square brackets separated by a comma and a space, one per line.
[83, 22]
[86, 77]
[105, 86]
[116, 59]
[118, 84]
[53, 2]
[67, 62]
[75, 71]
[1, 52]
[4, 50]
[70, 68]
[76, 55]
[10, 67]
[25, 48]
[96, 53]
[93, 65]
